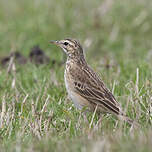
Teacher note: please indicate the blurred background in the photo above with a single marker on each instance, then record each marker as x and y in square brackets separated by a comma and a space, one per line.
[106, 29]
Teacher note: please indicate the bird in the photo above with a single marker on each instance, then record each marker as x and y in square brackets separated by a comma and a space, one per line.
[84, 86]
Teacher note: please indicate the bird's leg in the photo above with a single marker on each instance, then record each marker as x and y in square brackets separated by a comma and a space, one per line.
[94, 113]
[98, 124]
[84, 114]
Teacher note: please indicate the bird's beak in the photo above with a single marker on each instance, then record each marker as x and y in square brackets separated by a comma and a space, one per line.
[55, 42]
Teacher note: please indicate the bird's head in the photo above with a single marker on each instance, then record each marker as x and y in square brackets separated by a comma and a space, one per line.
[70, 46]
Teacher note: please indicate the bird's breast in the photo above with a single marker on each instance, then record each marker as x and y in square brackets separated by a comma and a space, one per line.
[78, 101]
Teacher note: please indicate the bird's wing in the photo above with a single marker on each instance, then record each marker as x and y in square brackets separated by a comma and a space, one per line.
[94, 90]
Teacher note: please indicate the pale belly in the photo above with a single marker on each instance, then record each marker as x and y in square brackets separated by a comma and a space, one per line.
[79, 102]
[75, 100]
[73, 96]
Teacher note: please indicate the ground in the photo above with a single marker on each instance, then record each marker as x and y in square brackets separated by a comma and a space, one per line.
[35, 112]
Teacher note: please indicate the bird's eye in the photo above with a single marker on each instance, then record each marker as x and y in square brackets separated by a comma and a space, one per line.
[66, 43]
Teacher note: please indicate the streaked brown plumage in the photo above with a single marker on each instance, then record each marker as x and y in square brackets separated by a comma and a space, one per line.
[83, 85]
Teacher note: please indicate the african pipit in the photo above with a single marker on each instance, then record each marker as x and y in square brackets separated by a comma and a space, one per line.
[83, 85]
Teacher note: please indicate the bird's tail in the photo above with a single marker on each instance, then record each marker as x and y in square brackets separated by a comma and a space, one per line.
[129, 120]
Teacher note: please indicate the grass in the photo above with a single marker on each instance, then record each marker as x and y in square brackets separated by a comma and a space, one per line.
[36, 114]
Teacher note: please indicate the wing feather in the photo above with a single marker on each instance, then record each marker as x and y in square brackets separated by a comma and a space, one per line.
[97, 97]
